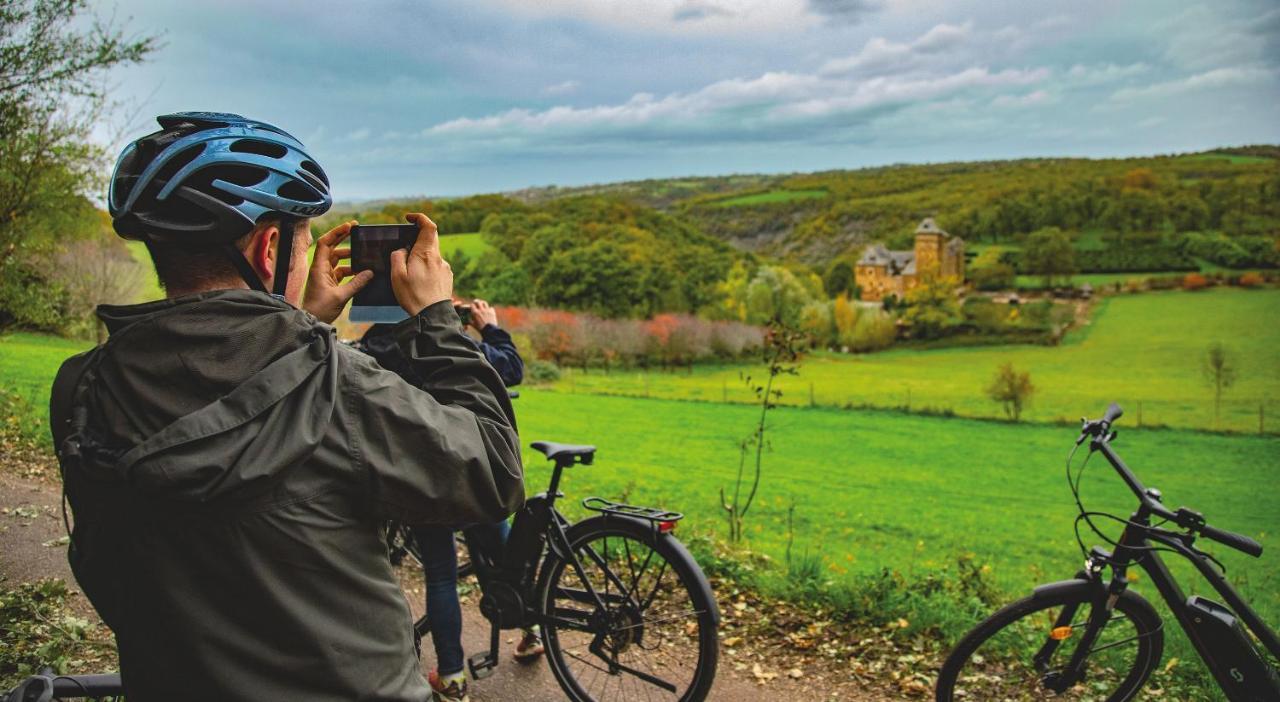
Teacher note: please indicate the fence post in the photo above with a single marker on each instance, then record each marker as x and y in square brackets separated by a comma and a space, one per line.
[811, 402]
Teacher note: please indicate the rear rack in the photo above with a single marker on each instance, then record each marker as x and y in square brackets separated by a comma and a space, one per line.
[599, 504]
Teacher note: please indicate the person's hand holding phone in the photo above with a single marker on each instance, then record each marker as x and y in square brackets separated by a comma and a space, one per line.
[482, 315]
[420, 277]
[326, 294]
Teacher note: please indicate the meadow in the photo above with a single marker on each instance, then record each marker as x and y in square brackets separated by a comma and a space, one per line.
[1145, 351]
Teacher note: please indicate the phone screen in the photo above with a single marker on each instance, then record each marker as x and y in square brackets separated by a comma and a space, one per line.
[371, 247]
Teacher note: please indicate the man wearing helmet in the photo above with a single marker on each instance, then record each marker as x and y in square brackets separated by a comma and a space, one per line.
[230, 466]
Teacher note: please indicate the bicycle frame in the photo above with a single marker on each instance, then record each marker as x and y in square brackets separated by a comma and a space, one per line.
[1229, 664]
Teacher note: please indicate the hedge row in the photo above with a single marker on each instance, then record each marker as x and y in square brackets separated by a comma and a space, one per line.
[569, 338]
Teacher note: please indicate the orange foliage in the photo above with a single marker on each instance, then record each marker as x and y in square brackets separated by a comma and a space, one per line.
[1250, 280]
[1194, 281]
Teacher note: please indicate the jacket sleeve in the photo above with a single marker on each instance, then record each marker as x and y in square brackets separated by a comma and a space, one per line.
[501, 352]
[447, 453]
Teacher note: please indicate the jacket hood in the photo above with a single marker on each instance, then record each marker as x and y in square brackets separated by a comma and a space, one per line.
[203, 397]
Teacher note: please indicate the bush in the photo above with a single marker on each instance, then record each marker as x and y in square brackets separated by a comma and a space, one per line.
[873, 331]
[538, 372]
[1194, 281]
[1250, 280]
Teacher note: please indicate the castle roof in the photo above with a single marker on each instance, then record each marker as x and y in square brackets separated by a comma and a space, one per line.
[898, 262]
[928, 226]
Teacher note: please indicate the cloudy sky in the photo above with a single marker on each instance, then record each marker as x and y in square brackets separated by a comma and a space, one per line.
[400, 97]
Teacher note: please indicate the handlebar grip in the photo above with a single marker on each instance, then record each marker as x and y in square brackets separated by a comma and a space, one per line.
[1239, 542]
[1114, 412]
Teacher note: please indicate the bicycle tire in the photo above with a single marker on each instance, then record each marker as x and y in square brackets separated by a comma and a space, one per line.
[702, 612]
[1147, 634]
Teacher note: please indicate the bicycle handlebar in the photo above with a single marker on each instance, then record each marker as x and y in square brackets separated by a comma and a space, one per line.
[1239, 542]
[1100, 431]
[1114, 412]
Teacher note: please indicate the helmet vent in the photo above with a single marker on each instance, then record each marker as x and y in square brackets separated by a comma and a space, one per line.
[294, 190]
[262, 148]
[315, 170]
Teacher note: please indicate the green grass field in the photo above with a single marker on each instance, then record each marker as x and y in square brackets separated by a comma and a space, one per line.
[771, 197]
[1144, 349]
[471, 244]
[1233, 159]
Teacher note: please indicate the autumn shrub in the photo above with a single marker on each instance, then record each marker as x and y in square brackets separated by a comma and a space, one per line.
[1250, 280]
[537, 372]
[1194, 281]
[873, 331]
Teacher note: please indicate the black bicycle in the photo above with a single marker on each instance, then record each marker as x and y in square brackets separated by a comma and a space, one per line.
[1092, 638]
[625, 611]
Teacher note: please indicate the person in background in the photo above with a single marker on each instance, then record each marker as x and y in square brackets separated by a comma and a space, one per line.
[438, 546]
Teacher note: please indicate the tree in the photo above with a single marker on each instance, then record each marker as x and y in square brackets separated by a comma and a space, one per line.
[839, 279]
[96, 271]
[52, 62]
[845, 316]
[932, 309]
[1049, 252]
[1012, 389]
[1220, 372]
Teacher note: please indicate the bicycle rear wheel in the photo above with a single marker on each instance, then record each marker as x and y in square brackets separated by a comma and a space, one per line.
[1019, 652]
[637, 620]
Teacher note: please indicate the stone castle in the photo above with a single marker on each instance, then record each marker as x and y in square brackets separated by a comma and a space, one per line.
[881, 272]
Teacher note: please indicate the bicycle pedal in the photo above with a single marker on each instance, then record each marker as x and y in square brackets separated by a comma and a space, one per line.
[481, 665]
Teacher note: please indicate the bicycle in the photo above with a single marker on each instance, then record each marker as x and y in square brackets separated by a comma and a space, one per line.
[611, 621]
[1026, 651]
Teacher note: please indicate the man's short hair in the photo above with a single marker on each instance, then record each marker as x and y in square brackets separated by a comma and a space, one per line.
[199, 268]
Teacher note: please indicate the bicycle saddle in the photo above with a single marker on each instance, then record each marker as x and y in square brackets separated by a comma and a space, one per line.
[565, 453]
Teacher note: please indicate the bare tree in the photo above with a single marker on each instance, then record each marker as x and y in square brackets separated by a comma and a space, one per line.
[1219, 372]
[781, 356]
[1012, 389]
[94, 272]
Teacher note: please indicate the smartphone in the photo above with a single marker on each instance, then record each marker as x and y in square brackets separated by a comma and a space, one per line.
[371, 247]
[464, 313]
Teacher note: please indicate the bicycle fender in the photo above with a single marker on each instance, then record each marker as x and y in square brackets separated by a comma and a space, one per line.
[1095, 589]
[641, 528]
[1065, 587]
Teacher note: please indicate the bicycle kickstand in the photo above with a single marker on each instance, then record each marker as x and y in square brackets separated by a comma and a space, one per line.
[482, 664]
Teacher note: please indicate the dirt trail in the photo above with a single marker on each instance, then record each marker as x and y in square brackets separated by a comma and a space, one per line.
[32, 547]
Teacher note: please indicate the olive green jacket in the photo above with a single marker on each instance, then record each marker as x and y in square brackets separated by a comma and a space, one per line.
[230, 467]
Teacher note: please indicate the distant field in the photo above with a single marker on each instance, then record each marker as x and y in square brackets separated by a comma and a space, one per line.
[1144, 349]
[471, 244]
[1233, 159]
[771, 197]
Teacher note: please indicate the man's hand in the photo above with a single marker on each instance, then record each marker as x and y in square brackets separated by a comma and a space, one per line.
[482, 314]
[326, 294]
[420, 277]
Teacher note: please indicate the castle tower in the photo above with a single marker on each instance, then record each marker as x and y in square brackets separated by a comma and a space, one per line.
[929, 249]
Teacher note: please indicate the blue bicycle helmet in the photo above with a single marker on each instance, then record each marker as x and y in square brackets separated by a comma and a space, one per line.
[206, 178]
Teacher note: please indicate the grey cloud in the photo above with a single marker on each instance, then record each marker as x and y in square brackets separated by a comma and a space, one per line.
[693, 10]
[845, 11]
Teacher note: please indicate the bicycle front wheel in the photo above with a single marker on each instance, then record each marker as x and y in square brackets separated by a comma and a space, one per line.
[1022, 651]
[630, 617]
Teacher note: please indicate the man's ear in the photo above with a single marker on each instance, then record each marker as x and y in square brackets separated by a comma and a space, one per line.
[262, 252]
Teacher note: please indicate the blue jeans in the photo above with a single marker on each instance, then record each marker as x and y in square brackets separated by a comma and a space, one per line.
[440, 566]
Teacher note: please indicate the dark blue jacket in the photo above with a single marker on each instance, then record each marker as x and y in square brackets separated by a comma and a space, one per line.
[496, 344]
